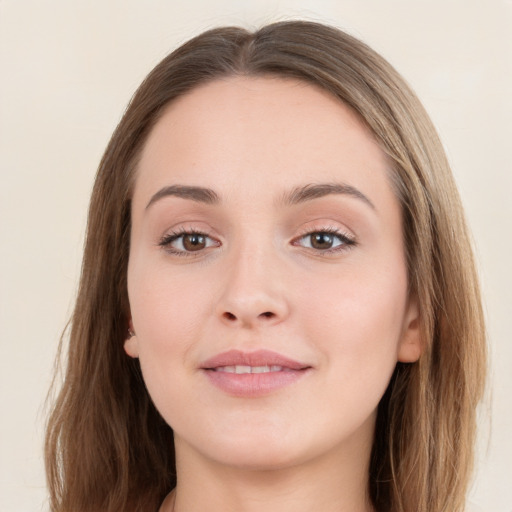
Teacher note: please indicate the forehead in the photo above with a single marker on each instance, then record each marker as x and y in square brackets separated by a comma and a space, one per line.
[248, 132]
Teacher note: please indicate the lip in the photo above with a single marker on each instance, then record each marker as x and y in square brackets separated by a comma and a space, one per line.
[251, 385]
[257, 358]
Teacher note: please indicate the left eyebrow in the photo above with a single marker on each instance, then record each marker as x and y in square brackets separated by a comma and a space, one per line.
[316, 190]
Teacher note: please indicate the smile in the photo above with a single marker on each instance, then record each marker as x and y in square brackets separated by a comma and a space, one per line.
[252, 374]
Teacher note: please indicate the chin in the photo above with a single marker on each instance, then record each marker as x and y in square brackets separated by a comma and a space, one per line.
[247, 449]
[259, 458]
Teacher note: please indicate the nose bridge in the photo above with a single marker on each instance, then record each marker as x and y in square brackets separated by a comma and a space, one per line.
[253, 292]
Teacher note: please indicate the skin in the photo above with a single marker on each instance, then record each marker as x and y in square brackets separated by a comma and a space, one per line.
[260, 283]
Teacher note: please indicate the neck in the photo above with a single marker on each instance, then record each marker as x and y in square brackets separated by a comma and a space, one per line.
[332, 483]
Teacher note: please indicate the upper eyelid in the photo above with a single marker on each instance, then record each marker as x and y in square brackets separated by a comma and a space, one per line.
[343, 232]
[324, 229]
[187, 230]
[174, 235]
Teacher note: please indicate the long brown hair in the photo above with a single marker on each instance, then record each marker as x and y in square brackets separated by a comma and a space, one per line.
[108, 449]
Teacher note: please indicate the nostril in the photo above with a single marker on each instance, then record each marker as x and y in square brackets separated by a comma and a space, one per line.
[230, 317]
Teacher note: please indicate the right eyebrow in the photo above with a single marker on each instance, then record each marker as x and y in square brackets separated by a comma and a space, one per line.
[199, 194]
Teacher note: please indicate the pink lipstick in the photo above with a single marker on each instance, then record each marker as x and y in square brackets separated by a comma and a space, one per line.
[252, 374]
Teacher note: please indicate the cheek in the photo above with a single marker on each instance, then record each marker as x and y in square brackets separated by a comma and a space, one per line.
[166, 317]
[162, 305]
[356, 320]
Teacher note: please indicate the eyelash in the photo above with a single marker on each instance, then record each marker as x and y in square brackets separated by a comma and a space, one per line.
[168, 239]
[346, 240]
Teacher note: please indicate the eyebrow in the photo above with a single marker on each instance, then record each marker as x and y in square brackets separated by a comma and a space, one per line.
[198, 194]
[295, 196]
[316, 190]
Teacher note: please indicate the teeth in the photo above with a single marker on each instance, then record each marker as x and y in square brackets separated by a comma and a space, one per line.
[239, 369]
[260, 369]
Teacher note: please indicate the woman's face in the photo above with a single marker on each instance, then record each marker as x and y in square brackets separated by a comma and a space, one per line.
[267, 279]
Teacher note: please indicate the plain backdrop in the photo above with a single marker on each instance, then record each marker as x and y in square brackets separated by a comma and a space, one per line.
[67, 71]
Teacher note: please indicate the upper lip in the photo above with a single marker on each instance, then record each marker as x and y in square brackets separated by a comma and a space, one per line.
[256, 358]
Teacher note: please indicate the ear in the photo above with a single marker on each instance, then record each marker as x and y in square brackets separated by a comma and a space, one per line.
[410, 348]
[131, 344]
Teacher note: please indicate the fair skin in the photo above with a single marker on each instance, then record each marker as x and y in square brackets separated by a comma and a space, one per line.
[264, 261]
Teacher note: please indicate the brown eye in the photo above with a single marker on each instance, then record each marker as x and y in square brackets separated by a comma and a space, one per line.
[194, 242]
[322, 240]
[183, 243]
[325, 241]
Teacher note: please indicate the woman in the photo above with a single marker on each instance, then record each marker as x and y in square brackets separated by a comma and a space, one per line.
[278, 306]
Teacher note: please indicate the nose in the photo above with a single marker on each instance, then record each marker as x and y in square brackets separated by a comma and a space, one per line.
[253, 291]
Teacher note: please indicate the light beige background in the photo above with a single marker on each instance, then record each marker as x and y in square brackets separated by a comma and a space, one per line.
[67, 70]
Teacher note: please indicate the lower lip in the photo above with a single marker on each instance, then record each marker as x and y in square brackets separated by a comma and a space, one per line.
[251, 385]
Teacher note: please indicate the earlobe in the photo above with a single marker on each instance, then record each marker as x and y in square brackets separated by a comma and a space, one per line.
[410, 348]
[131, 343]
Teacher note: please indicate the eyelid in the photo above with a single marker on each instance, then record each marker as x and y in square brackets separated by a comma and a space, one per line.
[174, 234]
[348, 240]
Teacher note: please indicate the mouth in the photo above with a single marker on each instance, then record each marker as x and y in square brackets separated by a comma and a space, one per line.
[252, 374]
[243, 369]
